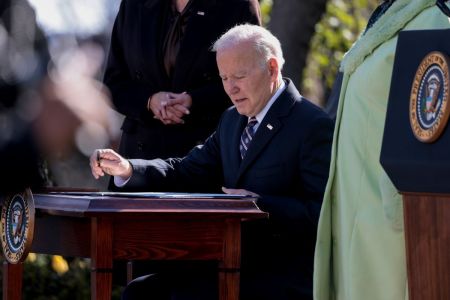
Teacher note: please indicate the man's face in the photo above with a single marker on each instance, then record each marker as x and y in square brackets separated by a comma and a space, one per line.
[247, 82]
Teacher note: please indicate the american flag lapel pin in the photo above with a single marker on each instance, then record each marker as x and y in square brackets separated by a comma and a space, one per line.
[270, 126]
[201, 13]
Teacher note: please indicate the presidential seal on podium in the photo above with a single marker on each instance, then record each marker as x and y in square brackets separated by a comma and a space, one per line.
[17, 225]
[429, 109]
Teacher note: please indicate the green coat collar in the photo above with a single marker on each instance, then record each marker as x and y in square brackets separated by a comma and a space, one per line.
[392, 21]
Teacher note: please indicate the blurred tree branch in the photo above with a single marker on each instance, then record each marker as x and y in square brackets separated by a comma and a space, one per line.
[293, 22]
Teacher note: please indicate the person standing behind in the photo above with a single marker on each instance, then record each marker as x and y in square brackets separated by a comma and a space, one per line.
[273, 144]
[360, 250]
[162, 74]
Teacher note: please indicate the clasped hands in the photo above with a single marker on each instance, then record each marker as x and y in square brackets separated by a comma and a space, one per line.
[170, 108]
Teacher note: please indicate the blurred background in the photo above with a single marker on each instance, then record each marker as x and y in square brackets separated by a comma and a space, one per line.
[52, 55]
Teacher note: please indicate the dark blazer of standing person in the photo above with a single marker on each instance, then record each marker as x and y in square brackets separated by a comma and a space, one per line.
[160, 50]
[285, 165]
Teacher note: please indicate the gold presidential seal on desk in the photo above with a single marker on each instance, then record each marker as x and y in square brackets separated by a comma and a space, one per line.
[428, 106]
[17, 225]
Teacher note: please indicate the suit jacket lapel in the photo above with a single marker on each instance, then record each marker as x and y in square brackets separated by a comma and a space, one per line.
[270, 125]
[262, 137]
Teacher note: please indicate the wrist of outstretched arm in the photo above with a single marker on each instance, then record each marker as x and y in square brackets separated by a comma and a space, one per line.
[122, 180]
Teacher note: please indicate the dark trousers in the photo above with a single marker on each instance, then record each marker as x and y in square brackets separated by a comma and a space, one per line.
[199, 281]
[174, 281]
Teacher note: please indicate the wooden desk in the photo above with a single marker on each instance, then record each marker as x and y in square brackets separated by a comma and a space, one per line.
[107, 228]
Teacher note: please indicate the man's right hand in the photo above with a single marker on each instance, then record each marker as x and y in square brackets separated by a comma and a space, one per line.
[107, 161]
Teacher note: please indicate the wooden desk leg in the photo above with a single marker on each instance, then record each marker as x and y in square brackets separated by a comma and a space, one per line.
[101, 259]
[12, 281]
[427, 237]
[229, 272]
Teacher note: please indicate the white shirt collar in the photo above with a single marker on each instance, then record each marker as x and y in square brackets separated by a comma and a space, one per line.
[260, 116]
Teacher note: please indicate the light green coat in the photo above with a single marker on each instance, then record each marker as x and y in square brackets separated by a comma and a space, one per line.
[360, 250]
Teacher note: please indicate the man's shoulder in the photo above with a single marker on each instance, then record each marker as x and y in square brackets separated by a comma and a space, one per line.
[230, 120]
[230, 113]
[301, 105]
[310, 105]
[307, 110]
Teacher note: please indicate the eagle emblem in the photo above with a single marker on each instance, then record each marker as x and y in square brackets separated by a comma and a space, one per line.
[428, 106]
[17, 220]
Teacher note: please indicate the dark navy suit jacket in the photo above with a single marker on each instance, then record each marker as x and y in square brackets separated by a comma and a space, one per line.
[286, 164]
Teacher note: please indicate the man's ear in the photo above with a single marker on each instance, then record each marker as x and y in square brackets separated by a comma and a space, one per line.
[273, 68]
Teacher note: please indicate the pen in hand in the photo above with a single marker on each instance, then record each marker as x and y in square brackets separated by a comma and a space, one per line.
[98, 158]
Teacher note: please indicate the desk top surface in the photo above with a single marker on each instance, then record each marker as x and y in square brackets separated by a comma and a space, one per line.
[85, 204]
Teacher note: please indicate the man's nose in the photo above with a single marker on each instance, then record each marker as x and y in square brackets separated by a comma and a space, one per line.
[232, 87]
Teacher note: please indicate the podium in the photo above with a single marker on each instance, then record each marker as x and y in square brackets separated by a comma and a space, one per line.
[416, 156]
[106, 227]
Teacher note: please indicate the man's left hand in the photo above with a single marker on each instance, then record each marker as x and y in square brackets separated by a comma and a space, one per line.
[239, 192]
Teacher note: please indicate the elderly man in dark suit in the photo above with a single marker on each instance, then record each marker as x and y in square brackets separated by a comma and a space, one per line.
[272, 143]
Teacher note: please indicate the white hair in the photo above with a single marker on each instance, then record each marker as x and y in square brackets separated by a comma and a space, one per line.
[263, 41]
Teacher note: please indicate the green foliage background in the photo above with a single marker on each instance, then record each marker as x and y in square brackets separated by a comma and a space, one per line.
[339, 28]
[41, 281]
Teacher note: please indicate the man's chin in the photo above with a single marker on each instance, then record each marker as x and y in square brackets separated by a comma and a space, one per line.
[241, 110]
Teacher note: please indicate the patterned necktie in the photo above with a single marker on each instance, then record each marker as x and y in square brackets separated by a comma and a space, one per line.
[247, 136]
